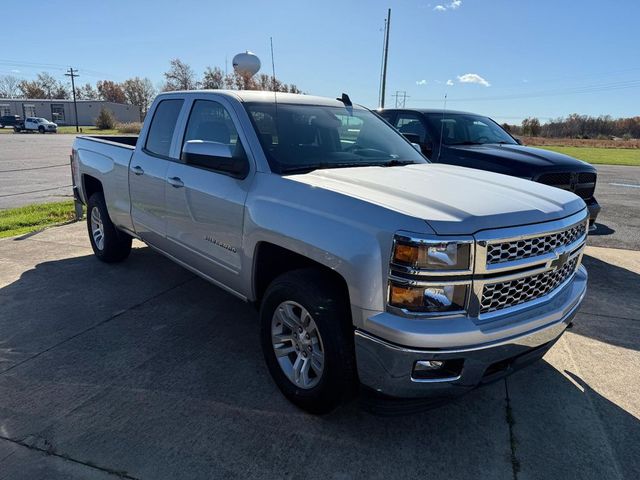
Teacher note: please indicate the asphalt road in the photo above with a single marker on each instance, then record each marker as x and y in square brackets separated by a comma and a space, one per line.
[40, 164]
[34, 169]
[140, 370]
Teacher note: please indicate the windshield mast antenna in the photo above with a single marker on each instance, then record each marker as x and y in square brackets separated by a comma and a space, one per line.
[273, 81]
[444, 109]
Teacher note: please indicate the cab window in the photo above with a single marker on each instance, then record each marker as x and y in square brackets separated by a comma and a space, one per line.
[209, 121]
[411, 123]
[163, 126]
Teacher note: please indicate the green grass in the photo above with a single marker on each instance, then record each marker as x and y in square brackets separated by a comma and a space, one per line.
[603, 156]
[90, 130]
[21, 220]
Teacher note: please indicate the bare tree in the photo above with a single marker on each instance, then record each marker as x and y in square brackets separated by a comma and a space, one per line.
[213, 78]
[140, 92]
[9, 86]
[87, 92]
[179, 77]
[111, 91]
[31, 89]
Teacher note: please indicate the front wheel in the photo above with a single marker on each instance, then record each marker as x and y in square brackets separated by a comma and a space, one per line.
[108, 243]
[307, 340]
[41, 130]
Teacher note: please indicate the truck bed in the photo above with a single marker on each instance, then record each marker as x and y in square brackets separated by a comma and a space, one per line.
[127, 141]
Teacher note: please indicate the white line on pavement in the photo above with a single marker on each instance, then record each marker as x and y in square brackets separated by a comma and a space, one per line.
[625, 185]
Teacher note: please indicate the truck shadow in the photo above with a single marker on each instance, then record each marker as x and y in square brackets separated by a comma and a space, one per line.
[142, 367]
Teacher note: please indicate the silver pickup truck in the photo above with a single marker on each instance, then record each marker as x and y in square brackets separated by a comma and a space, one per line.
[371, 267]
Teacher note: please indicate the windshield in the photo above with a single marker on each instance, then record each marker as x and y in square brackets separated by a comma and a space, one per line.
[42, 120]
[301, 138]
[466, 129]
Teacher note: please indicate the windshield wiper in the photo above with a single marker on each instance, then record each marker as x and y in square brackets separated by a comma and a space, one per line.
[396, 163]
[326, 165]
[467, 143]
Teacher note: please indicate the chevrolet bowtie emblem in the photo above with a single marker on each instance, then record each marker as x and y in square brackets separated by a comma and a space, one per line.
[562, 259]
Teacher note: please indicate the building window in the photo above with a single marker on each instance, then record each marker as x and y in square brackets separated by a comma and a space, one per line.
[29, 110]
[57, 113]
[5, 110]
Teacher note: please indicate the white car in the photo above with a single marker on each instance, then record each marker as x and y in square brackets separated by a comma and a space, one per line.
[36, 124]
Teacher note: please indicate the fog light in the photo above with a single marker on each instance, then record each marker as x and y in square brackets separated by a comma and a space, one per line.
[428, 365]
[437, 370]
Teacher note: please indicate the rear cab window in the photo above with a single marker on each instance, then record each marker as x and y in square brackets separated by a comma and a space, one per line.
[163, 126]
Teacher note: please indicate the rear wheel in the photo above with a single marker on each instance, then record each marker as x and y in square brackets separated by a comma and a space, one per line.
[307, 340]
[109, 244]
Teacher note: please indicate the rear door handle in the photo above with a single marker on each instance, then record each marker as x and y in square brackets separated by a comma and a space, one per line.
[138, 170]
[175, 182]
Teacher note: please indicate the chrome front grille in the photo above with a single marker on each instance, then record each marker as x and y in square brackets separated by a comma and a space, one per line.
[533, 247]
[497, 296]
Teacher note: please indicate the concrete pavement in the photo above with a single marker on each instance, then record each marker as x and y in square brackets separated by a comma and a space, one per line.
[141, 370]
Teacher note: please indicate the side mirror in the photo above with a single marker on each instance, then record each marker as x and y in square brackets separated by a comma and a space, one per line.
[518, 141]
[215, 156]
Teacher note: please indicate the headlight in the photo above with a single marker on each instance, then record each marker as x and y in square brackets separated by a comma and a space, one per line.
[428, 299]
[431, 254]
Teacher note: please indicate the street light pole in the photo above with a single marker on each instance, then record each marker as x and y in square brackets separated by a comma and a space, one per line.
[71, 73]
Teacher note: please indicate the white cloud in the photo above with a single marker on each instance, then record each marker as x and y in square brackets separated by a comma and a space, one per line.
[15, 71]
[473, 78]
[450, 82]
[421, 82]
[452, 5]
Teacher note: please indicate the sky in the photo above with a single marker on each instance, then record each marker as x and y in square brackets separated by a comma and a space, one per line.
[508, 59]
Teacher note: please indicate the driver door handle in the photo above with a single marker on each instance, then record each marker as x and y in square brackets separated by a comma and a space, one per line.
[175, 182]
[138, 170]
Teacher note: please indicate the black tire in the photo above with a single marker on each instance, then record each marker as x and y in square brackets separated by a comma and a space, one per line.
[316, 291]
[41, 130]
[115, 245]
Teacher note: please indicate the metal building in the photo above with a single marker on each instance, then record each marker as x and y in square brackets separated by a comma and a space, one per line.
[62, 112]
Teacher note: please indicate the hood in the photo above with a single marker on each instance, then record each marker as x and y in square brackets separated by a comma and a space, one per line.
[517, 160]
[452, 200]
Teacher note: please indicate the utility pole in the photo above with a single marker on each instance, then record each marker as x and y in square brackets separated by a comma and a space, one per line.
[73, 74]
[401, 98]
[387, 26]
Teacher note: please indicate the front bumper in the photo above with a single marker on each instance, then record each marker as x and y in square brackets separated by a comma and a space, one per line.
[594, 209]
[387, 367]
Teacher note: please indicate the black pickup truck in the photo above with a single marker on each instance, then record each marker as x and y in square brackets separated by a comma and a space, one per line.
[10, 120]
[476, 141]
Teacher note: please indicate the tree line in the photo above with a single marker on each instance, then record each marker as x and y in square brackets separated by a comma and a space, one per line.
[136, 90]
[578, 126]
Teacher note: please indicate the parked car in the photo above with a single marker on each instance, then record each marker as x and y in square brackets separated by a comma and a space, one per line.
[36, 124]
[476, 141]
[10, 120]
[369, 265]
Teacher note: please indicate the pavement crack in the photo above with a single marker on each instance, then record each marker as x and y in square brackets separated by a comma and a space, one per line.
[42, 445]
[515, 463]
[99, 324]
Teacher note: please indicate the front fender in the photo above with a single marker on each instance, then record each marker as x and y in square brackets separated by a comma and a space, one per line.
[348, 235]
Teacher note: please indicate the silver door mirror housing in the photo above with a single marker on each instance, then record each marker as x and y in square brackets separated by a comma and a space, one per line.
[216, 156]
[206, 149]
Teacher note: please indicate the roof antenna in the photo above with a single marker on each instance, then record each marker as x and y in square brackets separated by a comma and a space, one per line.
[444, 109]
[345, 99]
